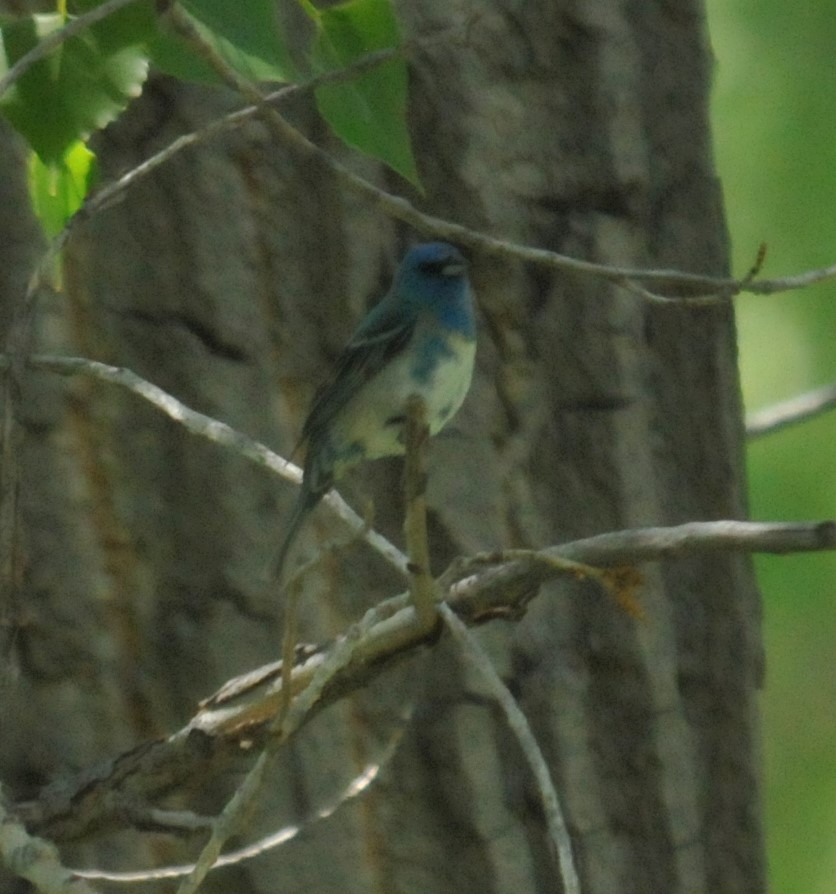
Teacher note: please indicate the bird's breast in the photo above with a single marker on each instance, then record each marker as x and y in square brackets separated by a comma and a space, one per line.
[448, 381]
[436, 367]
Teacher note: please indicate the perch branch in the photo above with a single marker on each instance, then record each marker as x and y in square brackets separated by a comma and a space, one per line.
[239, 717]
[652, 544]
[421, 584]
[640, 545]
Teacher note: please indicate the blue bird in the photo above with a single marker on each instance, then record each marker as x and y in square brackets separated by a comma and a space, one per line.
[420, 339]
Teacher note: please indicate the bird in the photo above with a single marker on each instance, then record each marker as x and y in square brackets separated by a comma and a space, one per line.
[420, 339]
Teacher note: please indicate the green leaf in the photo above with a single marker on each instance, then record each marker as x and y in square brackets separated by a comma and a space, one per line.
[171, 55]
[244, 33]
[58, 189]
[80, 87]
[133, 24]
[368, 112]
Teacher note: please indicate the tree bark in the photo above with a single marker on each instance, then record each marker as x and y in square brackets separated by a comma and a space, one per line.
[231, 278]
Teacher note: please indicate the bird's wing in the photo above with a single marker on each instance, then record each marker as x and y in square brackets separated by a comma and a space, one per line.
[373, 345]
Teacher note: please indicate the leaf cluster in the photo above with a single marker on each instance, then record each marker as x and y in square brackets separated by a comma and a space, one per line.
[72, 81]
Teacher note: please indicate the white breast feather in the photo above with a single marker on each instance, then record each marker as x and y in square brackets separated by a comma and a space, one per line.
[386, 396]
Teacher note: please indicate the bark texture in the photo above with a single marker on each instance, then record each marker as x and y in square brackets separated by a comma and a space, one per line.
[231, 278]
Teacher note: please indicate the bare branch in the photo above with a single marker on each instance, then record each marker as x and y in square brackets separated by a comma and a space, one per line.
[35, 860]
[474, 652]
[112, 192]
[399, 207]
[281, 727]
[630, 546]
[240, 717]
[791, 412]
[652, 544]
[213, 430]
[673, 282]
[679, 285]
[282, 836]
[789, 283]
[700, 290]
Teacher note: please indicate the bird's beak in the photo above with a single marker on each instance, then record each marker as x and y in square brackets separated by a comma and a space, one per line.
[453, 268]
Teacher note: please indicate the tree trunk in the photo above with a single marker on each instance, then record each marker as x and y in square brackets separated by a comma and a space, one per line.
[231, 278]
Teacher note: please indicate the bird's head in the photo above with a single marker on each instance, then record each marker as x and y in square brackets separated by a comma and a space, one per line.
[433, 278]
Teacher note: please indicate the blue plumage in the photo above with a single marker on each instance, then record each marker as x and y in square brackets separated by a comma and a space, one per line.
[420, 339]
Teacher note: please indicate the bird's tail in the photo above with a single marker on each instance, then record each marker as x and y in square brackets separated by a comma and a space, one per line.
[304, 503]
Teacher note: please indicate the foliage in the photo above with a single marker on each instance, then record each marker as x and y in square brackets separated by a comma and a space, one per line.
[80, 87]
[775, 123]
[91, 77]
[58, 189]
[361, 112]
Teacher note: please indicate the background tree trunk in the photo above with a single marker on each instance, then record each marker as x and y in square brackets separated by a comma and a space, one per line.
[231, 278]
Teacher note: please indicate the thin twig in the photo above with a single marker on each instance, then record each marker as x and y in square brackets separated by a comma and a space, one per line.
[289, 641]
[789, 283]
[706, 290]
[112, 192]
[791, 412]
[701, 289]
[282, 727]
[401, 209]
[361, 783]
[555, 821]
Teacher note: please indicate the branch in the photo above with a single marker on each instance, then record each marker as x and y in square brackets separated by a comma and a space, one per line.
[789, 283]
[280, 728]
[238, 718]
[791, 412]
[673, 281]
[109, 194]
[518, 723]
[361, 782]
[628, 546]
[212, 430]
[691, 287]
[421, 584]
[35, 860]
[652, 544]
